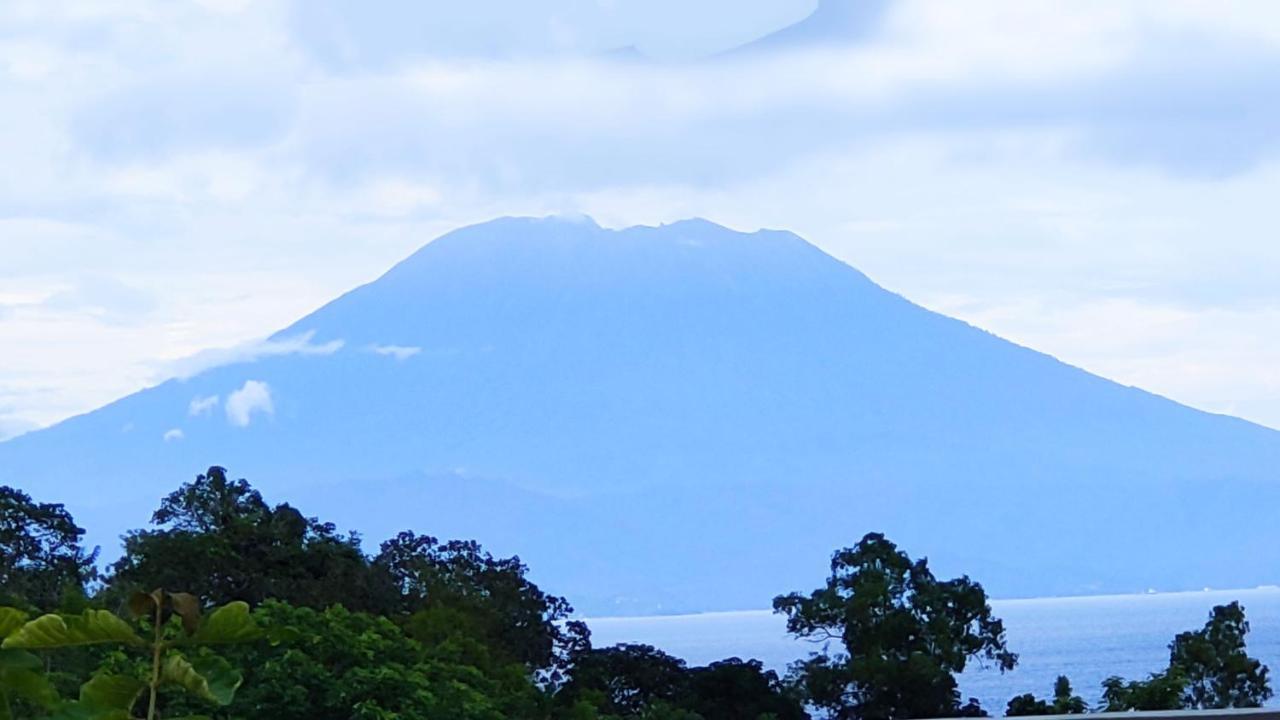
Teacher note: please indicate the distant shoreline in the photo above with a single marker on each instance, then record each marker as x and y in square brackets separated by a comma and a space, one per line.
[1152, 594]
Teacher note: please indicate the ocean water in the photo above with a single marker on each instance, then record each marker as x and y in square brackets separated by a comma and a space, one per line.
[1087, 639]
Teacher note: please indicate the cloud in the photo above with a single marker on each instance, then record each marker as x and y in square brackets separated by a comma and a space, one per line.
[104, 298]
[253, 397]
[202, 405]
[399, 352]
[1062, 151]
[249, 352]
[174, 435]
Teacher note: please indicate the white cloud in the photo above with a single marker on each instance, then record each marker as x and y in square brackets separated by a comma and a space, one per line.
[253, 397]
[202, 405]
[399, 352]
[248, 352]
[174, 435]
[1028, 155]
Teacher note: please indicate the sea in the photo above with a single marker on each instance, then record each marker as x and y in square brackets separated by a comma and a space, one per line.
[1088, 639]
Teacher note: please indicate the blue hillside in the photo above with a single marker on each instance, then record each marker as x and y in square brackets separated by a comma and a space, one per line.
[687, 418]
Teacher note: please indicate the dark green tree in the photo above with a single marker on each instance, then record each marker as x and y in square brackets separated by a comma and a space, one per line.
[1208, 669]
[734, 689]
[1218, 671]
[41, 559]
[627, 680]
[340, 665]
[905, 635]
[456, 591]
[222, 541]
[1160, 691]
[1065, 702]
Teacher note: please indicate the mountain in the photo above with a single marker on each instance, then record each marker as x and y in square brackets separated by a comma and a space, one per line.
[832, 23]
[684, 418]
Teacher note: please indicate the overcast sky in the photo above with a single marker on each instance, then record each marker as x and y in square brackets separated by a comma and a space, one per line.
[1095, 179]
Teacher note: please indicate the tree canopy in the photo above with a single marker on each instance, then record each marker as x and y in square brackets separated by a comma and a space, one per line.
[456, 590]
[1064, 702]
[905, 636]
[1208, 668]
[41, 558]
[219, 540]
[427, 628]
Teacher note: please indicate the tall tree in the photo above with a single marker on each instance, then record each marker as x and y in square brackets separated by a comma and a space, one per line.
[905, 634]
[456, 590]
[1208, 669]
[219, 539]
[1218, 671]
[41, 558]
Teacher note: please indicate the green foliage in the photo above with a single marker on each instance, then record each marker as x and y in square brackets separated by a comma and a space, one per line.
[93, 627]
[173, 620]
[1065, 702]
[209, 678]
[1218, 671]
[905, 633]
[640, 681]
[627, 680]
[456, 592]
[335, 660]
[1208, 668]
[22, 680]
[40, 555]
[1160, 691]
[734, 689]
[223, 542]
[429, 629]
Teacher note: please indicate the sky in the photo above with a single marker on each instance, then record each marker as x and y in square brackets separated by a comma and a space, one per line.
[1096, 179]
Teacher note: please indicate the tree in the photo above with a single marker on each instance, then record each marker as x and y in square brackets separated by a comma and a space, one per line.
[1065, 702]
[1160, 691]
[1218, 671]
[1208, 669]
[905, 634]
[456, 590]
[40, 554]
[627, 680]
[335, 664]
[734, 689]
[222, 541]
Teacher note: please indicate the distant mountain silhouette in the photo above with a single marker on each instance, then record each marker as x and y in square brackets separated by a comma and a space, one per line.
[833, 22]
[686, 418]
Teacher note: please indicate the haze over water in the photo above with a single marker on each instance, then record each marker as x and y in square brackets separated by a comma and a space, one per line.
[1086, 638]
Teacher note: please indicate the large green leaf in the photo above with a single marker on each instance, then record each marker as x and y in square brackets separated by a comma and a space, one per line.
[11, 619]
[111, 692]
[230, 623]
[86, 711]
[94, 627]
[19, 659]
[212, 679]
[30, 685]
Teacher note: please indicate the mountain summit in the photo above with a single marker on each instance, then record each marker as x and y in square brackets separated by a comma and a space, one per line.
[685, 418]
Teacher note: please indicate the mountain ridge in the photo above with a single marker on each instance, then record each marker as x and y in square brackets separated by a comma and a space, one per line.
[685, 417]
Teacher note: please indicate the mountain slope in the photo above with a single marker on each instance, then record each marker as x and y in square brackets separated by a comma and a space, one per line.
[686, 417]
[832, 23]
